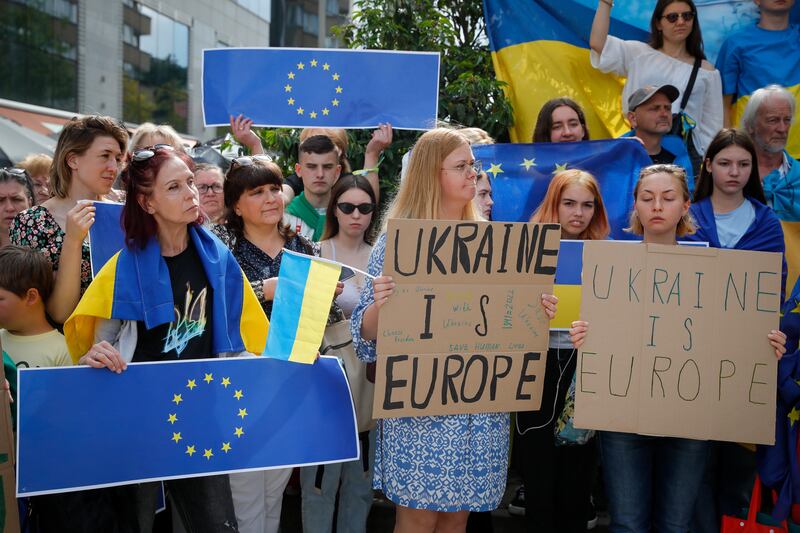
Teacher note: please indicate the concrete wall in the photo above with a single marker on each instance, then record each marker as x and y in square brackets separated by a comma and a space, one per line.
[100, 57]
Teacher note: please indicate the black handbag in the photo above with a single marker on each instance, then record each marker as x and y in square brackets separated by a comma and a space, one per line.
[682, 124]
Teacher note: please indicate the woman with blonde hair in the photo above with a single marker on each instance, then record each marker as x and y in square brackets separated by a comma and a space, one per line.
[149, 134]
[434, 468]
[38, 167]
[558, 478]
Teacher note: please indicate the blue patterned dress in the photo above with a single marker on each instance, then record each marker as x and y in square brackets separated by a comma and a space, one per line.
[440, 463]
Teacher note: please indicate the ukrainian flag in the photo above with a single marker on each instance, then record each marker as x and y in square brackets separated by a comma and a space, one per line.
[541, 49]
[568, 284]
[134, 285]
[302, 303]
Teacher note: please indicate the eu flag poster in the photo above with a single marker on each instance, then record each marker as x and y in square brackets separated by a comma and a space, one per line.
[314, 87]
[81, 427]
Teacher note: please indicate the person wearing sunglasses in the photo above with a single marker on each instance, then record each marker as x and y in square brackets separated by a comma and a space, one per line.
[349, 228]
[88, 156]
[16, 195]
[209, 181]
[674, 51]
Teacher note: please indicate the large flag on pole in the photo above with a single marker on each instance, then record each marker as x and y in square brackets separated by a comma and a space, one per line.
[81, 427]
[313, 87]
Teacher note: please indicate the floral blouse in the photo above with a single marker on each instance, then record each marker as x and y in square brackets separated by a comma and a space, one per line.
[256, 264]
[36, 228]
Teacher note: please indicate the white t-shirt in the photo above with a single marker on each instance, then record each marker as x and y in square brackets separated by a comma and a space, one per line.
[32, 351]
[643, 65]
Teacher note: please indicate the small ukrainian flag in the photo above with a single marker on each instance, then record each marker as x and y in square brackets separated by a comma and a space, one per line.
[306, 285]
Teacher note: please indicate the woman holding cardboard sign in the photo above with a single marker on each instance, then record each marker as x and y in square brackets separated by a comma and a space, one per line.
[435, 468]
[652, 483]
[730, 208]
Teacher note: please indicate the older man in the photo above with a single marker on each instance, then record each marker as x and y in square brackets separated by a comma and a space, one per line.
[768, 119]
[209, 181]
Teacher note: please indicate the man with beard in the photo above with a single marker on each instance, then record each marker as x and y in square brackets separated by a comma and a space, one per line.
[650, 115]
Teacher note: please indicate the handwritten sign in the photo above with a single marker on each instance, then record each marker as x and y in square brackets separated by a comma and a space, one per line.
[678, 341]
[465, 331]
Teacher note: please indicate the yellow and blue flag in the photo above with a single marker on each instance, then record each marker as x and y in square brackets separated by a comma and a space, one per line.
[135, 285]
[313, 87]
[567, 285]
[521, 173]
[106, 236]
[302, 303]
[87, 428]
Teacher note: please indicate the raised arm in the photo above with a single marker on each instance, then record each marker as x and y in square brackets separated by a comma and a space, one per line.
[381, 140]
[600, 25]
[241, 128]
[67, 287]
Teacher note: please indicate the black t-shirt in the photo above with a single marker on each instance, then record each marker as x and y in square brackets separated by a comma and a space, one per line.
[189, 335]
[664, 157]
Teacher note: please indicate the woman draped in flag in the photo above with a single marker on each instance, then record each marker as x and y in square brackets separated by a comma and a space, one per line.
[731, 212]
[675, 50]
[652, 483]
[175, 292]
[434, 468]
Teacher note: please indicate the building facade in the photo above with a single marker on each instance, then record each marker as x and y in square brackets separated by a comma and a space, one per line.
[141, 60]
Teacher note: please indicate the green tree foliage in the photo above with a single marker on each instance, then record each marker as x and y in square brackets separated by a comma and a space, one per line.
[469, 94]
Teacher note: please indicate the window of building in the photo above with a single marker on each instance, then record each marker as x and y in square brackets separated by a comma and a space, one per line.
[38, 52]
[155, 68]
[259, 7]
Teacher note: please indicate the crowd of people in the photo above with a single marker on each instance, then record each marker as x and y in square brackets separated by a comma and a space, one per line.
[187, 223]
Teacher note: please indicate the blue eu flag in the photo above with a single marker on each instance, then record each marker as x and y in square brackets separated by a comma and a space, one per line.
[80, 427]
[312, 87]
[520, 174]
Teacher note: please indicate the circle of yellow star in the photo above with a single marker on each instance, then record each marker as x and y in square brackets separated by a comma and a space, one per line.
[172, 418]
[300, 66]
[242, 413]
[190, 450]
[335, 102]
[191, 384]
[313, 114]
[239, 432]
[176, 437]
[226, 382]
[325, 111]
[300, 110]
[326, 66]
[177, 398]
[495, 169]
[335, 76]
[226, 447]
[208, 454]
[528, 163]
[287, 88]
[313, 62]
[291, 75]
[290, 101]
[209, 378]
[339, 89]
[238, 394]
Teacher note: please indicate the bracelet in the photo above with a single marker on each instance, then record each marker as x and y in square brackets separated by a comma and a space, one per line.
[609, 3]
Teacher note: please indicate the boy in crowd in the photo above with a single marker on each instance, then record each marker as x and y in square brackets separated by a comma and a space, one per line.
[26, 281]
[318, 167]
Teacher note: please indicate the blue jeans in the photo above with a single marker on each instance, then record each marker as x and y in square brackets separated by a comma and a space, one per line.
[321, 483]
[651, 482]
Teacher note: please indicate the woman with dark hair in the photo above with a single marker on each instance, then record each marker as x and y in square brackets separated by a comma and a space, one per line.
[87, 159]
[179, 294]
[256, 235]
[16, 195]
[560, 120]
[731, 212]
[674, 50]
[349, 225]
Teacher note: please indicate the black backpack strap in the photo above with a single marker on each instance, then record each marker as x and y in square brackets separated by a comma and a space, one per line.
[689, 86]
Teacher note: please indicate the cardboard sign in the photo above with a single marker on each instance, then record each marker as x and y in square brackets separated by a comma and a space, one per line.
[464, 331]
[9, 514]
[678, 344]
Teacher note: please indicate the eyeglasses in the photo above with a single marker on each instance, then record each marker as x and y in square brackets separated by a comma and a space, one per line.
[463, 168]
[672, 18]
[250, 160]
[347, 208]
[216, 188]
[143, 154]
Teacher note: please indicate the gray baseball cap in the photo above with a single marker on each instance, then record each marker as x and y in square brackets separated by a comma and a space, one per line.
[644, 94]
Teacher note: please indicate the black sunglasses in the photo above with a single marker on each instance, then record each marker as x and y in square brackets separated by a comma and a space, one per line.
[143, 154]
[347, 208]
[250, 160]
[672, 18]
